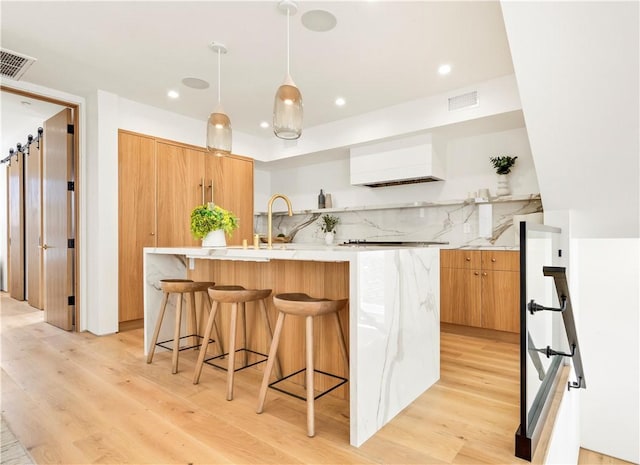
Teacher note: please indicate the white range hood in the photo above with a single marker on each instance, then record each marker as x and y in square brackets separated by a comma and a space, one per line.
[403, 161]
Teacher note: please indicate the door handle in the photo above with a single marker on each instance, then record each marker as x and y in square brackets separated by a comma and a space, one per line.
[211, 187]
[202, 189]
[44, 247]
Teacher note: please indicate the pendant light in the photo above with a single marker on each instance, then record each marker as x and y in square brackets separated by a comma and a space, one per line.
[219, 125]
[287, 108]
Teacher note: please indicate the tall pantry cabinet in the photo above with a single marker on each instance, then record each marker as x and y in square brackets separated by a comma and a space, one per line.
[160, 182]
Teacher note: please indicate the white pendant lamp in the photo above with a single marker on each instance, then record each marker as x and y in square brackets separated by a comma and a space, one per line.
[219, 124]
[287, 107]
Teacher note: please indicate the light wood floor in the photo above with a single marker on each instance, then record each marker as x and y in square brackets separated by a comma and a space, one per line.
[74, 398]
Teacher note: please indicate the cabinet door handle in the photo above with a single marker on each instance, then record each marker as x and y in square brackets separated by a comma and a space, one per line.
[153, 234]
[211, 187]
[484, 274]
[468, 259]
[476, 273]
[202, 189]
[493, 260]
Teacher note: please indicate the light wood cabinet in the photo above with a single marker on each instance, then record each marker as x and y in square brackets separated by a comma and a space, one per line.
[180, 179]
[233, 190]
[480, 288]
[137, 218]
[160, 182]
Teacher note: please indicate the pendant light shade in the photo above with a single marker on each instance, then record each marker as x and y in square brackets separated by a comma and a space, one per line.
[287, 107]
[219, 124]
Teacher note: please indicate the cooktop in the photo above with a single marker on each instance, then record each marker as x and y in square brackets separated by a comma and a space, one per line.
[364, 243]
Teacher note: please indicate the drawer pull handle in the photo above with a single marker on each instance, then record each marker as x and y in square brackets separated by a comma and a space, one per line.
[493, 260]
[468, 259]
[484, 274]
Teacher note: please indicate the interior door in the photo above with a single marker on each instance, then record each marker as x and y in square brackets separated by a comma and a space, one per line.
[33, 224]
[58, 231]
[15, 182]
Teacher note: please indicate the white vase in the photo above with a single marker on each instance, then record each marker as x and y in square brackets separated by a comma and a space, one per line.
[503, 185]
[214, 239]
[329, 237]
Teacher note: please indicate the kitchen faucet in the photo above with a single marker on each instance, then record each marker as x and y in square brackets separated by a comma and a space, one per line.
[270, 216]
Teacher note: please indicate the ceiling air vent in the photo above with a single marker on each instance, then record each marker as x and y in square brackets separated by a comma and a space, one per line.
[467, 100]
[14, 65]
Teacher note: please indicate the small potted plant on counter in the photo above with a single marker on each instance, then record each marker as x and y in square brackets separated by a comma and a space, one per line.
[210, 222]
[328, 225]
[503, 165]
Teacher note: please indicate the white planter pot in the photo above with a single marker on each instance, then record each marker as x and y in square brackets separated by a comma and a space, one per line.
[329, 237]
[214, 239]
[503, 185]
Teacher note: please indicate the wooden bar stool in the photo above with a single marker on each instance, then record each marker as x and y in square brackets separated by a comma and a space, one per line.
[237, 296]
[180, 287]
[309, 307]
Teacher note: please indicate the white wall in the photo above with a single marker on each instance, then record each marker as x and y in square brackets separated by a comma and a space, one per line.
[468, 169]
[608, 280]
[577, 68]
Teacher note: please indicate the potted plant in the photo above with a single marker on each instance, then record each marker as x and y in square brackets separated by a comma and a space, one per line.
[503, 165]
[210, 222]
[328, 225]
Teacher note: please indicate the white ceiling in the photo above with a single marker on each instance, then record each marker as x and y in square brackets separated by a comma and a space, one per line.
[380, 53]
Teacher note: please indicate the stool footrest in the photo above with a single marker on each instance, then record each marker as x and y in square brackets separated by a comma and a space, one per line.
[161, 344]
[342, 381]
[209, 362]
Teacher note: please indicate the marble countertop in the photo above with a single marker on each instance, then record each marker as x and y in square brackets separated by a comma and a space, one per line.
[280, 251]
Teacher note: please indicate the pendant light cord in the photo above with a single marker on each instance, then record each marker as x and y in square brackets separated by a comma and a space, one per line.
[288, 51]
[218, 75]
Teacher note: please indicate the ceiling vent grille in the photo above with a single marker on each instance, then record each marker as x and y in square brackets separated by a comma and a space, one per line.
[467, 100]
[13, 65]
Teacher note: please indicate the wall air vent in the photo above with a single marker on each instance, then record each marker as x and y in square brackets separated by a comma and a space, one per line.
[467, 100]
[13, 65]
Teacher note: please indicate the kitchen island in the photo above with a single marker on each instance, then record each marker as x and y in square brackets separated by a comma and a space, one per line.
[392, 321]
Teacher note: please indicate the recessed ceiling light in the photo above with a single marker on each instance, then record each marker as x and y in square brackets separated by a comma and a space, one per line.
[444, 69]
[340, 101]
[319, 20]
[173, 94]
[264, 125]
[195, 83]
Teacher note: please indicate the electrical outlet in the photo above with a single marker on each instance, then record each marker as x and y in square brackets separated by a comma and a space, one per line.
[466, 228]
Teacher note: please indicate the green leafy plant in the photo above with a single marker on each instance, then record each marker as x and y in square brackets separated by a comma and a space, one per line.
[207, 218]
[503, 164]
[328, 223]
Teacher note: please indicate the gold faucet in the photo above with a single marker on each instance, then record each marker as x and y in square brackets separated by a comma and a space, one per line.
[270, 215]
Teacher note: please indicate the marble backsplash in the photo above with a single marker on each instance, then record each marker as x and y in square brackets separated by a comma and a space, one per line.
[456, 223]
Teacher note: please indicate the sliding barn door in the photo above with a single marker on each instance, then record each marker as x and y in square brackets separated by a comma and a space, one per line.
[57, 146]
[33, 225]
[15, 188]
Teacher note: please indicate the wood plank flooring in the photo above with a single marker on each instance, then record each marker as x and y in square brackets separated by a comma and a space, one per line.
[75, 398]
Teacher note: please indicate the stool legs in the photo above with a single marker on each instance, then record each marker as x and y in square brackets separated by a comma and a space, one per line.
[342, 344]
[309, 375]
[176, 335]
[211, 324]
[194, 322]
[270, 362]
[310, 365]
[265, 317]
[156, 331]
[232, 350]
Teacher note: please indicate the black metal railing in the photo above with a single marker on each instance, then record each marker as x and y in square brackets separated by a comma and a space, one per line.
[554, 325]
